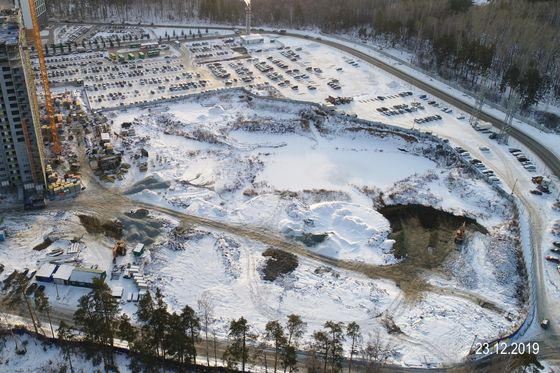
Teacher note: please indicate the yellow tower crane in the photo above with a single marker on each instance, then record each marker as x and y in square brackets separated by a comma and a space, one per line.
[56, 148]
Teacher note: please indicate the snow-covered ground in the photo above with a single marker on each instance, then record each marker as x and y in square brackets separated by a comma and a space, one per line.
[263, 165]
[280, 167]
[43, 357]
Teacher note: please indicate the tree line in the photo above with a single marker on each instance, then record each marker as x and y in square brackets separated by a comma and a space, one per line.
[161, 335]
[506, 45]
[158, 338]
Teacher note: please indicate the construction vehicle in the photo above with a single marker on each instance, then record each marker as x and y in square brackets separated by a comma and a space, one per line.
[541, 184]
[49, 106]
[460, 233]
[119, 249]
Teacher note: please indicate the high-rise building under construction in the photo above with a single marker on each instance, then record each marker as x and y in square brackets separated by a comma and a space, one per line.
[21, 145]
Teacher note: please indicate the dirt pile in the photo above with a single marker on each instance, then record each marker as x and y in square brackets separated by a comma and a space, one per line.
[113, 228]
[278, 263]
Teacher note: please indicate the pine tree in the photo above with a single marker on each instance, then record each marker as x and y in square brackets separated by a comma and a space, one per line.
[158, 322]
[145, 307]
[237, 351]
[274, 333]
[65, 336]
[96, 317]
[126, 331]
[321, 346]
[295, 328]
[42, 305]
[336, 337]
[191, 326]
[176, 341]
[353, 332]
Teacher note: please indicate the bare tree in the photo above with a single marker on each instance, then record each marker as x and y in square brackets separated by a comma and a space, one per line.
[206, 313]
[376, 352]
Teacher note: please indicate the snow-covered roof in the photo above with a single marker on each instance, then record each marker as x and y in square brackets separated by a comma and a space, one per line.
[85, 275]
[63, 272]
[117, 291]
[138, 248]
[46, 270]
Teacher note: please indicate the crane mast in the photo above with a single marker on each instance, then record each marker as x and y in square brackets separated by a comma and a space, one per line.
[55, 142]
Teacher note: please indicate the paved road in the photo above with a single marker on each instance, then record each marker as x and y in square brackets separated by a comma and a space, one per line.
[549, 158]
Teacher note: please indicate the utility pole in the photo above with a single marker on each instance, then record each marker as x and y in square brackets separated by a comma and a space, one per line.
[475, 115]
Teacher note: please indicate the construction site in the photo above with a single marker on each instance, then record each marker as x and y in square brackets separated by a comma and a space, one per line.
[266, 170]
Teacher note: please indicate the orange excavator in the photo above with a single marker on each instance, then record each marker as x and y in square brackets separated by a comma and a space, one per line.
[460, 233]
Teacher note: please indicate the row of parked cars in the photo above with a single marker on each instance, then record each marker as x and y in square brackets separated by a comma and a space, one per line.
[477, 163]
[555, 250]
[525, 162]
[218, 70]
[427, 119]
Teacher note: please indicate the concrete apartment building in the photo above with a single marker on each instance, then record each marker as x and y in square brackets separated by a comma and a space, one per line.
[26, 13]
[21, 144]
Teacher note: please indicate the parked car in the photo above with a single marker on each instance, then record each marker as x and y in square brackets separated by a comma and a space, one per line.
[551, 258]
[545, 323]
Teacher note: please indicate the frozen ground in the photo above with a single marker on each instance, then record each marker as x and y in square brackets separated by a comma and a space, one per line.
[243, 157]
[43, 357]
[284, 168]
[229, 170]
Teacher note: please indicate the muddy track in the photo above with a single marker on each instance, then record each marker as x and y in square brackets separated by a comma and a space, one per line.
[109, 204]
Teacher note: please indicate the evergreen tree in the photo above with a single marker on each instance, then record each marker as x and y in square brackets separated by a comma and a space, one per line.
[17, 291]
[65, 337]
[321, 346]
[158, 323]
[125, 330]
[353, 332]
[295, 328]
[145, 307]
[191, 326]
[96, 317]
[237, 351]
[176, 341]
[274, 333]
[42, 305]
[336, 337]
